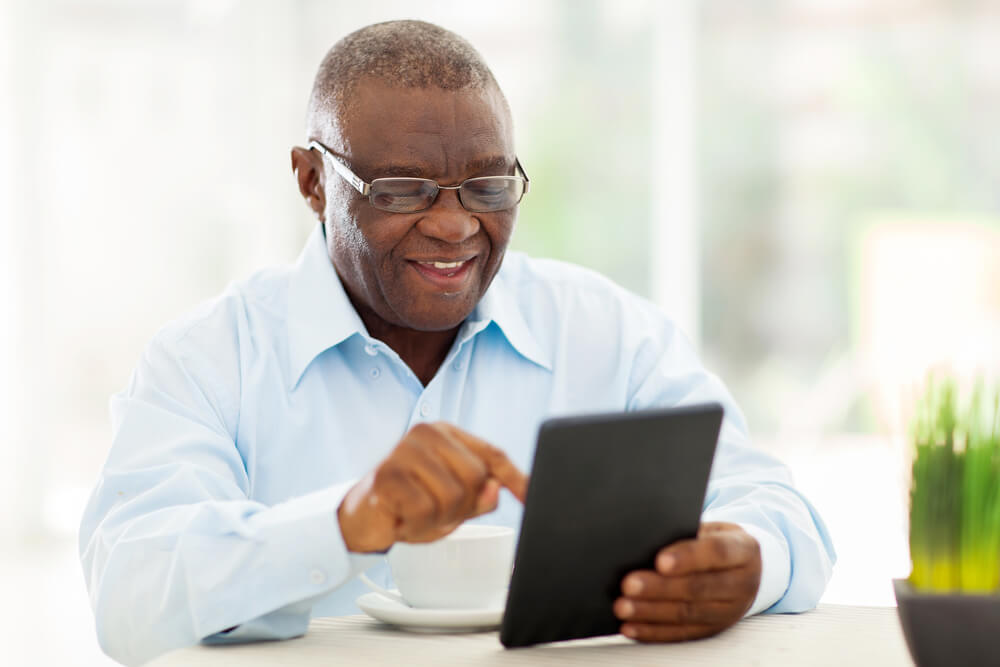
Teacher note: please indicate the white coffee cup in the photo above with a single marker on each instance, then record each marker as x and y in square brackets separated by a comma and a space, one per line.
[468, 569]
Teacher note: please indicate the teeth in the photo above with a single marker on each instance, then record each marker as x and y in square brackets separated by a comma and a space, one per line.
[445, 265]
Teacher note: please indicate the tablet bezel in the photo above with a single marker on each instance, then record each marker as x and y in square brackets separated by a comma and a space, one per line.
[606, 493]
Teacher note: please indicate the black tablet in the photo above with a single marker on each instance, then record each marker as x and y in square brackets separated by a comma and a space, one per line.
[606, 493]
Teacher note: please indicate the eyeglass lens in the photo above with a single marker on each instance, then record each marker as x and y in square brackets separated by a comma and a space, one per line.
[479, 195]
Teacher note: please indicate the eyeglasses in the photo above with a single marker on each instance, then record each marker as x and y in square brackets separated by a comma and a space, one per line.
[483, 194]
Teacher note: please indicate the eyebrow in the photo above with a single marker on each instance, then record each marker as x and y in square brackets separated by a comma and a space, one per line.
[474, 168]
[490, 163]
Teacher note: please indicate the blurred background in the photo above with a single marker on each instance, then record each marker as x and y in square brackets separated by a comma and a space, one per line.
[810, 187]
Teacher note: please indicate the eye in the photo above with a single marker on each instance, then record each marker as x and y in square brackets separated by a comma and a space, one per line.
[487, 188]
[401, 194]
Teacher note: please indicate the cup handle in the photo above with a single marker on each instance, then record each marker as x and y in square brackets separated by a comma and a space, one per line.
[381, 591]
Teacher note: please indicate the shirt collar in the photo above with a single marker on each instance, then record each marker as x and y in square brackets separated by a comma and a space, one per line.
[500, 306]
[321, 316]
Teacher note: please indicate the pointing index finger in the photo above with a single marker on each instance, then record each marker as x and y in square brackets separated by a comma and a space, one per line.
[501, 468]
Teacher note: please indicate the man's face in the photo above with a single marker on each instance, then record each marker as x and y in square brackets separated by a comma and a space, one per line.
[387, 260]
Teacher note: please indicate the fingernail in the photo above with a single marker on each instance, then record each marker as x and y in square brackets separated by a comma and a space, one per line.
[633, 586]
[626, 608]
[628, 631]
[665, 563]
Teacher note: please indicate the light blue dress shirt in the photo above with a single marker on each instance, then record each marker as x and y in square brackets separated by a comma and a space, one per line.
[246, 422]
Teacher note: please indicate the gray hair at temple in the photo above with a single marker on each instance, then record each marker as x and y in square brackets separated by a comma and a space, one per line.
[408, 54]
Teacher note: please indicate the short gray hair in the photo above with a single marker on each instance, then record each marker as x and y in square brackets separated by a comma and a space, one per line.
[407, 54]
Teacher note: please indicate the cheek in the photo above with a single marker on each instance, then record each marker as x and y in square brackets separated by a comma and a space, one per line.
[367, 254]
[348, 246]
[499, 231]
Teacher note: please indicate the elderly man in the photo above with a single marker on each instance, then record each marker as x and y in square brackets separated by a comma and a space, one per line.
[389, 385]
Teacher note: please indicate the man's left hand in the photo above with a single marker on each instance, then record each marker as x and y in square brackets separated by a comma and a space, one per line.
[699, 588]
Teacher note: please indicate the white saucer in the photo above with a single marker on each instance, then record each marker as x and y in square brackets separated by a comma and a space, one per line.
[389, 611]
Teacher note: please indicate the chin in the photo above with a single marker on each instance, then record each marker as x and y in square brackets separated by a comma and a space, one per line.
[442, 317]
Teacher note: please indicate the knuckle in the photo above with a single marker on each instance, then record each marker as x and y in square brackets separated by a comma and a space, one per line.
[685, 612]
[475, 474]
[687, 549]
[387, 475]
[652, 586]
[421, 509]
[697, 588]
[453, 496]
[421, 430]
[721, 549]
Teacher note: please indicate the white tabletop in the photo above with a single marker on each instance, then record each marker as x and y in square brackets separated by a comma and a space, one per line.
[830, 635]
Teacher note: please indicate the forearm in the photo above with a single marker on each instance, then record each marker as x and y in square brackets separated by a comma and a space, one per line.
[748, 487]
[796, 551]
[173, 575]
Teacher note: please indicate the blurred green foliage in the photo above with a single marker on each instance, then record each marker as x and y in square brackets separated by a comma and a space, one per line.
[955, 491]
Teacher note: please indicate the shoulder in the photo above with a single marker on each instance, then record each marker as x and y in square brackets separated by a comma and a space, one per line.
[251, 307]
[575, 296]
[203, 355]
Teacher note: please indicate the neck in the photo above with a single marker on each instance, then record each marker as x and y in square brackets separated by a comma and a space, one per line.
[422, 351]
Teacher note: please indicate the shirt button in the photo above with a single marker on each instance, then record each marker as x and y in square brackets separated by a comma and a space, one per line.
[375, 372]
[458, 365]
[425, 410]
[371, 350]
[317, 577]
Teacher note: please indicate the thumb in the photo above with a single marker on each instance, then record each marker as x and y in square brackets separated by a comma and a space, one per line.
[488, 498]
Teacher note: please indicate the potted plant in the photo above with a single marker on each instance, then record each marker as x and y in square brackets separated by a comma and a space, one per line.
[949, 607]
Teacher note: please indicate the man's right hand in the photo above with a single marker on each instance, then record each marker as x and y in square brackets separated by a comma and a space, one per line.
[437, 477]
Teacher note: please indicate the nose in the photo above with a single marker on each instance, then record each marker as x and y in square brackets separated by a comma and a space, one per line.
[447, 220]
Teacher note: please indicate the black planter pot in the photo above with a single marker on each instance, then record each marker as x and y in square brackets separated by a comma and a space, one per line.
[948, 630]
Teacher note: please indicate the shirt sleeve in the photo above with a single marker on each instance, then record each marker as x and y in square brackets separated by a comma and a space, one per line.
[747, 486]
[173, 549]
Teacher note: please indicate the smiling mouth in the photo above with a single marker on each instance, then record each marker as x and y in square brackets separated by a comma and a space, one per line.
[445, 268]
[448, 276]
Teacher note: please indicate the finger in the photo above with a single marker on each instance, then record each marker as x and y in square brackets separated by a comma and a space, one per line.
[677, 612]
[496, 461]
[467, 468]
[717, 527]
[720, 585]
[488, 499]
[721, 550]
[658, 632]
[406, 498]
[452, 500]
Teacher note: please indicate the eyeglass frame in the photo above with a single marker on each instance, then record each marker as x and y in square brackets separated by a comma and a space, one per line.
[366, 188]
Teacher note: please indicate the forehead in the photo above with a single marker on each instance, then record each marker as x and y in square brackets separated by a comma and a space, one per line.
[439, 129]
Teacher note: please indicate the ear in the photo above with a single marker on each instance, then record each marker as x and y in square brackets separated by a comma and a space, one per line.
[307, 166]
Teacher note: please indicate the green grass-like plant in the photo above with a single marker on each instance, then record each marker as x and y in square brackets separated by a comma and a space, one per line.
[955, 491]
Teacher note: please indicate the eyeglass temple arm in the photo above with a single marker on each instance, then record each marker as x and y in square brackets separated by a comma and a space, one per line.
[341, 168]
[527, 181]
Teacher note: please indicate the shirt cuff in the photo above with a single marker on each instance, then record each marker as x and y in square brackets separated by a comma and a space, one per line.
[295, 552]
[775, 568]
